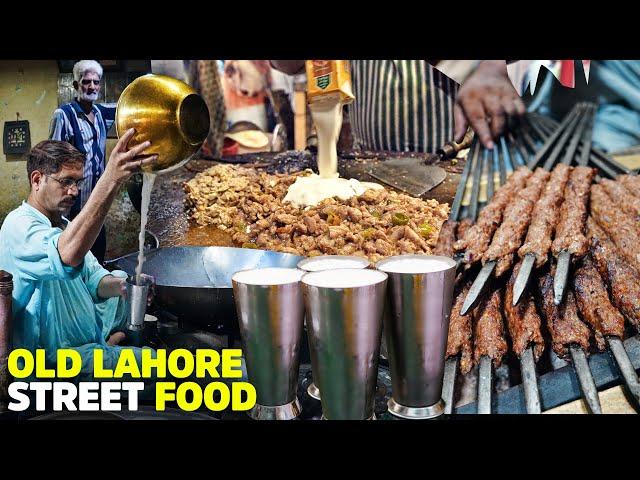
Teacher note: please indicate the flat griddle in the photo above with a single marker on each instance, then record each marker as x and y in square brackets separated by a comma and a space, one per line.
[169, 221]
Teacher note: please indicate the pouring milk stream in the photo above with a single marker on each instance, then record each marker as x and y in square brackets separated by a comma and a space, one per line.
[328, 90]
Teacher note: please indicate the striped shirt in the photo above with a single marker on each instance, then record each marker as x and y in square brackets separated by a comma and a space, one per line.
[401, 105]
[71, 124]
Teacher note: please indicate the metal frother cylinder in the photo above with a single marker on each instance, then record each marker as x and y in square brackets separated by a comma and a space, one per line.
[419, 297]
[344, 318]
[136, 302]
[271, 314]
[317, 264]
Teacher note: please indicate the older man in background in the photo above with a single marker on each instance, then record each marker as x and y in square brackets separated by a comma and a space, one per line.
[84, 124]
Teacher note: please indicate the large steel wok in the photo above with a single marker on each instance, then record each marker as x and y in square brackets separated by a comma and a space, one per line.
[194, 283]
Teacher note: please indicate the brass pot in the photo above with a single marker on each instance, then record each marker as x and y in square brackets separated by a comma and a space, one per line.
[167, 112]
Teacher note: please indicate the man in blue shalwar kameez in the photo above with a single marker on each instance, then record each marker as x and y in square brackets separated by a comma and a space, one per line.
[62, 296]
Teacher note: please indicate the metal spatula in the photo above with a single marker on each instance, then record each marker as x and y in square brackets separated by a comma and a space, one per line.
[413, 175]
[409, 175]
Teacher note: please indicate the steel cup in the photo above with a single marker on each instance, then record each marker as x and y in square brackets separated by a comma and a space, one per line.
[332, 262]
[271, 312]
[344, 321]
[136, 302]
[317, 264]
[416, 324]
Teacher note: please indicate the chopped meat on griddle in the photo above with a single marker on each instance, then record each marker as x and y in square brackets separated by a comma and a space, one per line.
[250, 205]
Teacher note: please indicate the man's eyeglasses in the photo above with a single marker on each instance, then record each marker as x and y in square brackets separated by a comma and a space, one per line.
[88, 81]
[67, 183]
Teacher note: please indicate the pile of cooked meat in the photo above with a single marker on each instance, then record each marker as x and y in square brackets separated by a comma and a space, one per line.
[543, 214]
[249, 204]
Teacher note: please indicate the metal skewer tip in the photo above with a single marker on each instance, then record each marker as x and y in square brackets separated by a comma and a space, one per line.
[449, 383]
[484, 385]
[626, 367]
[530, 381]
[523, 277]
[610, 160]
[587, 384]
[478, 287]
[562, 274]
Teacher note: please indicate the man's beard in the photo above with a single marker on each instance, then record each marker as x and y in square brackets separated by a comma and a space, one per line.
[66, 207]
[88, 97]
